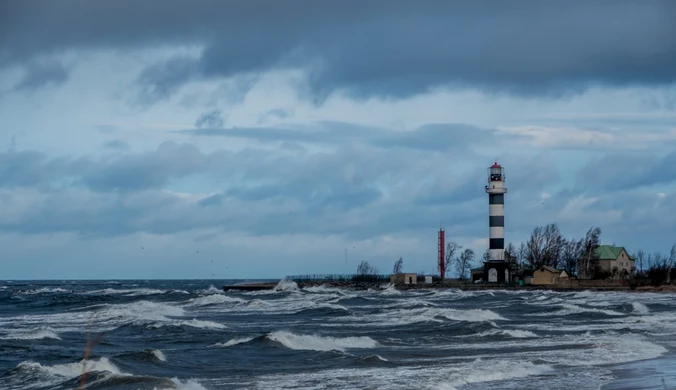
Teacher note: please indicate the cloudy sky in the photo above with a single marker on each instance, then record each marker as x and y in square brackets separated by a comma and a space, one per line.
[245, 139]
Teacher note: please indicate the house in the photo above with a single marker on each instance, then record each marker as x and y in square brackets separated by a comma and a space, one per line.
[404, 278]
[611, 257]
[546, 275]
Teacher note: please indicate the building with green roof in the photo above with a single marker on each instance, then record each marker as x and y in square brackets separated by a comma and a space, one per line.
[615, 257]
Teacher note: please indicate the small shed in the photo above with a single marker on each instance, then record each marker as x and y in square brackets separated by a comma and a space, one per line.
[428, 279]
[546, 275]
[477, 273]
[404, 278]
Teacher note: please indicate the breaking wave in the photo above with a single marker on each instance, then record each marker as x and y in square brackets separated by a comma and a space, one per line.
[321, 343]
[33, 334]
[499, 371]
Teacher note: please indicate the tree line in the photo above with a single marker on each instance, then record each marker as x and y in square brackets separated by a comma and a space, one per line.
[546, 246]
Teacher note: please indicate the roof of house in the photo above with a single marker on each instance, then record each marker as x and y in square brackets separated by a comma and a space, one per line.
[551, 269]
[609, 252]
[477, 269]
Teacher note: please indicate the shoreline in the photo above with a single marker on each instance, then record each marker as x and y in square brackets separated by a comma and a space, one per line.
[657, 373]
[360, 286]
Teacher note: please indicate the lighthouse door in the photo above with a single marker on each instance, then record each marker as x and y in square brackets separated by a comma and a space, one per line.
[492, 275]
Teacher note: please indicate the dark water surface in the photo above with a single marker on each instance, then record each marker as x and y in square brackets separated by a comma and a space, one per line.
[192, 335]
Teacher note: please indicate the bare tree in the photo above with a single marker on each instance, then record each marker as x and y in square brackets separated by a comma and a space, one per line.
[544, 246]
[522, 253]
[451, 248]
[398, 266]
[658, 260]
[487, 255]
[640, 258]
[364, 268]
[591, 243]
[672, 259]
[510, 252]
[464, 263]
[570, 255]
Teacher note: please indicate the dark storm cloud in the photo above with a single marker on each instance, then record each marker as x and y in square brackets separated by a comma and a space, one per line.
[394, 48]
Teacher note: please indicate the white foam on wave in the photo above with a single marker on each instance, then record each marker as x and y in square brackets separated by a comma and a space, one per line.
[195, 323]
[211, 290]
[133, 292]
[73, 370]
[569, 308]
[31, 334]
[602, 350]
[184, 385]
[519, 334]
[640, 308]
[292, 303]
[235, 341]
[140, 310]
[389, 289]
[499, 371]
[321, 343]
[55, 374]
[448, 377]
[286, 285]
[214, 299]
[425, 314]
[321, 289]
[44, 290]
[159, 355]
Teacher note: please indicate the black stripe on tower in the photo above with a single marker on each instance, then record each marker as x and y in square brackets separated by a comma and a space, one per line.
[496, 199]
[497, 243]
[496, 221]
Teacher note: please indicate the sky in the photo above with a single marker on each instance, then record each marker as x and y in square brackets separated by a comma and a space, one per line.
[258, 138]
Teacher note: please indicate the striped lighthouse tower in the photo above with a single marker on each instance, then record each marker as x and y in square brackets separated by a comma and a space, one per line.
[496, 191]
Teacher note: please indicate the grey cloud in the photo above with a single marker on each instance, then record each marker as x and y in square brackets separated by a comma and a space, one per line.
[358, 191]
[432, 137]
[40, 74]
[437, 137]
[392, 48]
[146, 171]
[29, 169]
[162, 80]
[628, 170]
[116, 144]
[325, 132]
[211, 119]
[106, 129]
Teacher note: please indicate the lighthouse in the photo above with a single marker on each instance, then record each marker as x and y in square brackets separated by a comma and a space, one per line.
[496, 269]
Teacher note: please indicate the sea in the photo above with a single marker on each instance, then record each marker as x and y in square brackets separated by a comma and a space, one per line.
[192, 335]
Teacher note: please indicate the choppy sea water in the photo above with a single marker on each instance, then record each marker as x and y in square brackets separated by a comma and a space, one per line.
[192, 335]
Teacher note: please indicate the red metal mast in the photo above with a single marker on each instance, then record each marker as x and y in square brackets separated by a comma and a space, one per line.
[442, 255]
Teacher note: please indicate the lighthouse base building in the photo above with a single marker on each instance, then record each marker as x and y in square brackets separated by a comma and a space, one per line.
[497, 271]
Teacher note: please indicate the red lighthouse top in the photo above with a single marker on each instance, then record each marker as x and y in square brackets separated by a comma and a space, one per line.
[496, 165]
